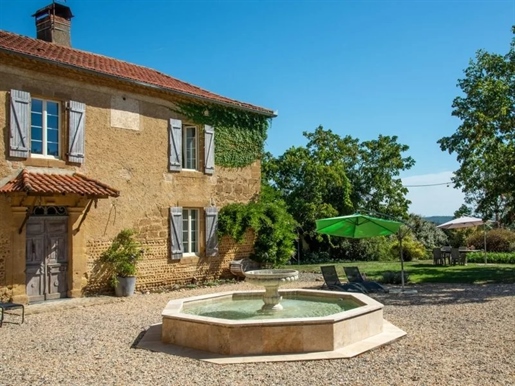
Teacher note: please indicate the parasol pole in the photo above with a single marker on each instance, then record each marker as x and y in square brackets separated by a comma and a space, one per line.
[484, 240]
[402, 261]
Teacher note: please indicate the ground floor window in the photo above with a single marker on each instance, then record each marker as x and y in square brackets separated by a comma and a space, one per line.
[190, 231]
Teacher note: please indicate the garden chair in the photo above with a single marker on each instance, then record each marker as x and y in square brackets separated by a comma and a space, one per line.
[457, 257]
[332, 281]
[438, 257]
[11, 306]
[354, 276]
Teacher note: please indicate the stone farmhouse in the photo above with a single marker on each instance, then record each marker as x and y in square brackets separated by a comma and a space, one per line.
[92, 145]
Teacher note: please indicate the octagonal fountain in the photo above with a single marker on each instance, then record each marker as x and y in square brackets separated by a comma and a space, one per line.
[273, 321]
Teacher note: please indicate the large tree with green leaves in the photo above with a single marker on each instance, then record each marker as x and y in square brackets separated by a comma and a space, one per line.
[484, 143]
[335, 175]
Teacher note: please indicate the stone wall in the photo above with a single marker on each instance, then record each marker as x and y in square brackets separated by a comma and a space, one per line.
[133, 160]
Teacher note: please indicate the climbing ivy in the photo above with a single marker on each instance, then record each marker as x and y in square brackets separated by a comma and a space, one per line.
[240, 135]
[273, 226]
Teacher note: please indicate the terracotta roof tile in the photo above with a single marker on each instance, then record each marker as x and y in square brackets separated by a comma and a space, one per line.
[48, 183]
[40, 49]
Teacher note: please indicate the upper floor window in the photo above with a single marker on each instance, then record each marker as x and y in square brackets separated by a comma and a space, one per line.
[189, 152]
[36, 128]
[44, 128]
[185, 147]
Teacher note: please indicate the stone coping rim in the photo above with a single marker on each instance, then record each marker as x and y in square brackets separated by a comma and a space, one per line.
[174, 307]
[272, 274]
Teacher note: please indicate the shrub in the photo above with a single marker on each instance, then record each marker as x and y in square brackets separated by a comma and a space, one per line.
[311, 257]
[497, 240]
[369, 249]
[492, 257]
[274, 229]
[411, 249]
[394, 277]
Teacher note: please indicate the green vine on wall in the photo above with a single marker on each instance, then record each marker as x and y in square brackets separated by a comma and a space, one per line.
[274, 228]
[239, 135]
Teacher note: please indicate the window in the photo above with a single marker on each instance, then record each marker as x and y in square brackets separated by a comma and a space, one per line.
[44, 128]
[184, 147]
[35, 128]
[189, 151]
[190, 231]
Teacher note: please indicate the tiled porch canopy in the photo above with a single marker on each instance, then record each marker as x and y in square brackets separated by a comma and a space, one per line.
[43, 183]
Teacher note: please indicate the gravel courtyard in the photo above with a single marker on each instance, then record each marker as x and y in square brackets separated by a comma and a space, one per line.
[457, 335]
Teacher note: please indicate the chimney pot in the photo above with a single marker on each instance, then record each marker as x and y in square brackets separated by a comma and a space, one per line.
[53, 24]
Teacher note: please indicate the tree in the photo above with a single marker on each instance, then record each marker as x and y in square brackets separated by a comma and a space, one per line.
[336, 175]
[426, 232]
[463, 210]
[484, 142]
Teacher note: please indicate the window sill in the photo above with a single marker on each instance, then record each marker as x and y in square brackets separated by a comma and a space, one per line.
[45, 162]
[190, 258]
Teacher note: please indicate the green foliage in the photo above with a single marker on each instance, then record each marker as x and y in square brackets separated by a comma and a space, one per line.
[371, 249]
[275, 235]
[492, 258]
[311, 257]
[426, 232]
[240, 135]
[426, 272]
[497, 240]
[394, 277]
[463, 210]
[336, 175]
[123, 254]
[234, 220]
[458, 237]
[484, 143]
[411, 249]
[274, 228]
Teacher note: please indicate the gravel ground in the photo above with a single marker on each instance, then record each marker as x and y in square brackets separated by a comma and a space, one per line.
[457, 335]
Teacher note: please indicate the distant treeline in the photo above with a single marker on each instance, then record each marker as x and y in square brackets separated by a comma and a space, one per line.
[438, 219]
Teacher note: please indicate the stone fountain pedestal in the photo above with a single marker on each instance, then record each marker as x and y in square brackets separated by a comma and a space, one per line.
[271, 279]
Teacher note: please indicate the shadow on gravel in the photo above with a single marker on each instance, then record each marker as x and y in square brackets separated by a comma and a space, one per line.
[442, 294]
[138, 338]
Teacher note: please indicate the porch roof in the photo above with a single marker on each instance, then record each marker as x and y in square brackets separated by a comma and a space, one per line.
[36, 182]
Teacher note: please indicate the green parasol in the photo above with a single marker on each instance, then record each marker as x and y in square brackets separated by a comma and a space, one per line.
[359, 226]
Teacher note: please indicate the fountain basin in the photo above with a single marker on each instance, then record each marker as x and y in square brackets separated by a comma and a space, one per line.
[272, 336]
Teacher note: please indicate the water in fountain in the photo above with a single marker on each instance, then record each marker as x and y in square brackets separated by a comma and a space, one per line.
[249, 308]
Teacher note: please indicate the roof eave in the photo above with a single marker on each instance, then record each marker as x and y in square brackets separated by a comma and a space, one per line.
[267, 113]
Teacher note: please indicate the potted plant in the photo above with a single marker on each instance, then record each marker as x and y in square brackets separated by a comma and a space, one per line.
[122, 257]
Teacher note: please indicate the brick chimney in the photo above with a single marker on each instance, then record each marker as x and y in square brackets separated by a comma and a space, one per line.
[53, 24]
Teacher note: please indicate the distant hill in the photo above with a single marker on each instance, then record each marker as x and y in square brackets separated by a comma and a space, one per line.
[438, 219]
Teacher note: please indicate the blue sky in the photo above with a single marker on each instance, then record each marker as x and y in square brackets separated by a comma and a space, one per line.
[361, 68]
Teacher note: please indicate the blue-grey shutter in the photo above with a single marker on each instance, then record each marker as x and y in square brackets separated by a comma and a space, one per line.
[76, 124]
[211, 228]
[209, 149]
[176, 232]
[19, 124]
[175, 143]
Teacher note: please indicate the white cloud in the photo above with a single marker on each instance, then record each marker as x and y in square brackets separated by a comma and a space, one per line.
[439, 200]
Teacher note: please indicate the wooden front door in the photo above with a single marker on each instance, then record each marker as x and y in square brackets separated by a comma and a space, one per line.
[47, 258]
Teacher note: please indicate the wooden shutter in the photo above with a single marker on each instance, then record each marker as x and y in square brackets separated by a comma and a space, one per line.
[209, 149]
[77, 115]
[176, 232]
[175, 144]
[19, 124]
[211, 228]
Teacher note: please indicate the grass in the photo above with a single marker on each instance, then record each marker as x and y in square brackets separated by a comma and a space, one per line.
[426, 272]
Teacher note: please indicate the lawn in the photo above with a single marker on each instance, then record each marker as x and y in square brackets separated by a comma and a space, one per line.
[426, 272]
